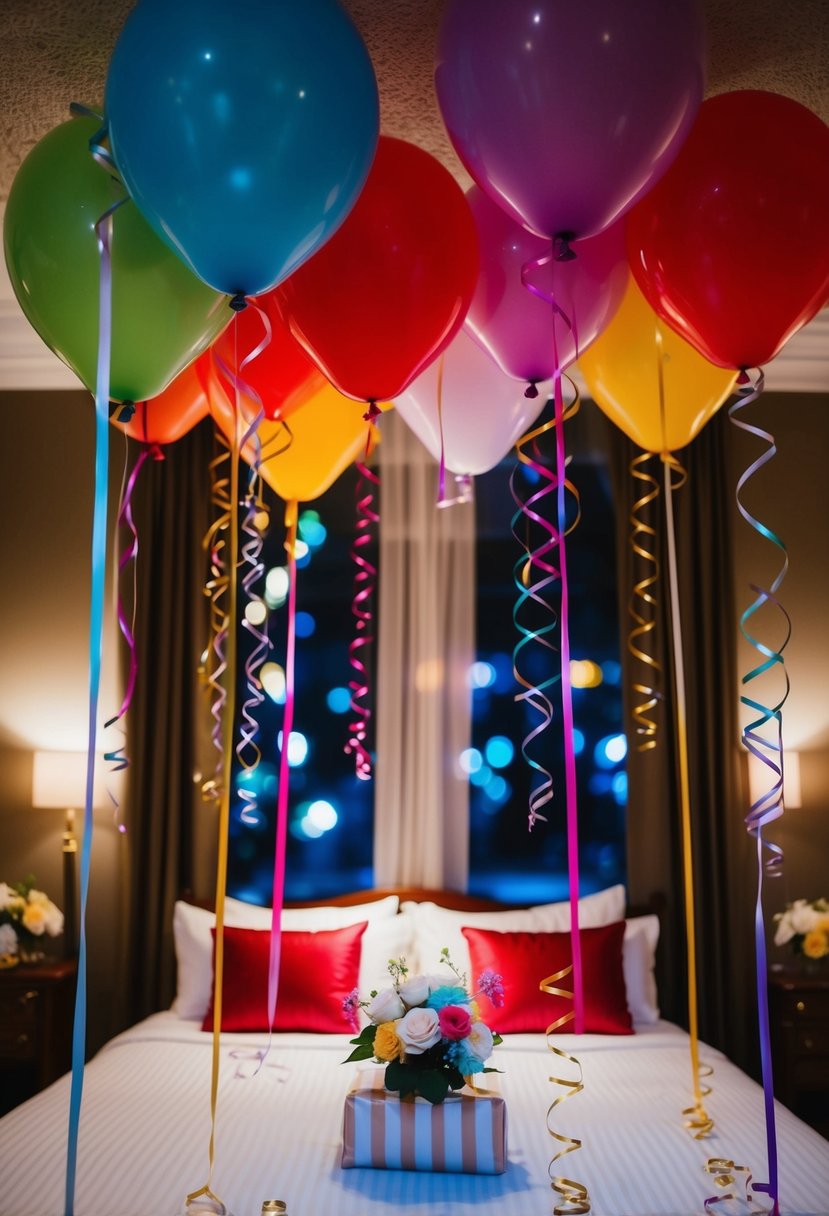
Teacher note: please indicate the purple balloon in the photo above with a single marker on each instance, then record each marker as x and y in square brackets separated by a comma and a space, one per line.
[567, 112]
[515, 326]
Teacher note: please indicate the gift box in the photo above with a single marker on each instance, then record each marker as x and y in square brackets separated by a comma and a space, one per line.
[464, 1134]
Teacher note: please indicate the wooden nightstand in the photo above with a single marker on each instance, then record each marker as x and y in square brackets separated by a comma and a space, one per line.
[36, 1013]
[799, 1013]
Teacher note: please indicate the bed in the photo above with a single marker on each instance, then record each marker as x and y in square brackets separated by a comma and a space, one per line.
[145, 1121]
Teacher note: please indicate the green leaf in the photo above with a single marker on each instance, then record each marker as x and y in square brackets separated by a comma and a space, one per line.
[364, 1052]
[395, 1074]
[433, 1086]
[500, 1070]
[496, 1039]
[455, 1078]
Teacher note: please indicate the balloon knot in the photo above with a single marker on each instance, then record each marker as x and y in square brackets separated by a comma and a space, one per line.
[125, 411]
[156, 452]
[531, 391]
[238, 302]
[372, 412]
[744, 377]
[561, 247]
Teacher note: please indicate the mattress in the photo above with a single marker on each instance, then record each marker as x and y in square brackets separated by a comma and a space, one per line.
[145, 1127]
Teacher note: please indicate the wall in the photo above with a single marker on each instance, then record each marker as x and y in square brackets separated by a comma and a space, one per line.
[791, 496]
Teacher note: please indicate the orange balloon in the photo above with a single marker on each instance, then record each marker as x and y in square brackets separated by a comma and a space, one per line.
[165, 418]
[327, 433]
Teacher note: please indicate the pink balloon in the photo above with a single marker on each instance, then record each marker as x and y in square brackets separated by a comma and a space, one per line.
[567, 111]
[515, 326]
[484, 411]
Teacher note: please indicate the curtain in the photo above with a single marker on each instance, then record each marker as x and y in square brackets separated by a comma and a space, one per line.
[426, 647]
[724, 855]
[172, 512]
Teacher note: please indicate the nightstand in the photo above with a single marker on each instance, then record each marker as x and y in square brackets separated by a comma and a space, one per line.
[799, 1014]
[36, 1014]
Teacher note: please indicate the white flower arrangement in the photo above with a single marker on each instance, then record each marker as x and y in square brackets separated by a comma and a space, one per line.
[26, 916]
[426, 1029]
[805, 927]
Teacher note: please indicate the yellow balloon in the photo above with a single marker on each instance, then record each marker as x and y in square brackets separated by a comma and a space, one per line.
[328, 434]
[621, 370]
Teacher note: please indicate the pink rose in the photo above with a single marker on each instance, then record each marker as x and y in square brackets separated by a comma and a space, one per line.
[455, 1022]
[418, 1031]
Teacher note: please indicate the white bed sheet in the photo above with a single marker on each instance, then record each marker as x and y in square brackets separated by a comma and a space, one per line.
[145, 1124]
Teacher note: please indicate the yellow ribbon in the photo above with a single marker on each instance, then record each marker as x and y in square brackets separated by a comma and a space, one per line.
[642, 607]
[575, 1198]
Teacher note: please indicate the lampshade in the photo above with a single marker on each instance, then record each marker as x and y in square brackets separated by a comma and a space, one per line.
[761, 778]
[59, 780]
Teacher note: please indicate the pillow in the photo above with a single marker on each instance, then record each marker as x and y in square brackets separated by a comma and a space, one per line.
[638, 958]
[387, 936]
[318, 970]
[524, 959]
[436, 927]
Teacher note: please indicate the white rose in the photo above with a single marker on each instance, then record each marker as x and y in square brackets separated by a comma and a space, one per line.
[479, 1041]
[785, 930]
[442, 979]
[414, 991]
[419, 1030]
[6, 895]
[38, 897]
[385, 1007]
[8, 940]
[54, 919]
[804, 916]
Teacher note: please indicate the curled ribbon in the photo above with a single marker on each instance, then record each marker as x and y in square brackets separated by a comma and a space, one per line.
[216, 589]
[763, 737]
[642, 607]
[575, 1198]
[724, 1172]
[365, 581]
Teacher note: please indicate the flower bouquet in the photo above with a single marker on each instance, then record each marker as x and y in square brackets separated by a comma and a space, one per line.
[26, 915]
[804, 926]
[426, 1029]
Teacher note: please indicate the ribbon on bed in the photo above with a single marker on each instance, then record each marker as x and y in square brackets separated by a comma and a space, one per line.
[763, 738]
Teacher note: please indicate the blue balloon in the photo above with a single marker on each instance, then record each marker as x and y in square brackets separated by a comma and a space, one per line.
[243, 129]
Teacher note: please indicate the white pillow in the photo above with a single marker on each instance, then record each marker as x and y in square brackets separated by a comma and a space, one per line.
[638, 958]
[436, 927]
[387, 936]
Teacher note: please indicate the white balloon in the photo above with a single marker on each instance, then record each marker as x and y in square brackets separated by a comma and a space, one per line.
[484, 411]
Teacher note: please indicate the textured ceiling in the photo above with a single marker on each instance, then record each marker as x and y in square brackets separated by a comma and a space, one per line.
[56, 51]
[53, 52]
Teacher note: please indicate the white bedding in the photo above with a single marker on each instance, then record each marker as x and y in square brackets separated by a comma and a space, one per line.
[145, 1123]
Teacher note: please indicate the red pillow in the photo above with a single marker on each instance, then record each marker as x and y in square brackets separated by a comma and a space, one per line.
[317, 972]
[524, 959]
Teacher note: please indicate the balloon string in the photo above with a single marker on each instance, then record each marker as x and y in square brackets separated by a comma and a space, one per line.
[643, 605]
[365, 581]
[697, 1118]
[228, 582]
[104, 234]
[442, 465]
[216, 588]
[575, 1198]
[275, 949]
[763, 738]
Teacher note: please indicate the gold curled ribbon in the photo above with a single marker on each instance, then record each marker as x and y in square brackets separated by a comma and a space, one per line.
[697, 1119]
[575, 1198]
[215, 589]
[642, 607]
[724, 1173]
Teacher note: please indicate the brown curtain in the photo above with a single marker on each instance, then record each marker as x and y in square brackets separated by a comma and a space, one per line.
[172, 512]
[724, 865]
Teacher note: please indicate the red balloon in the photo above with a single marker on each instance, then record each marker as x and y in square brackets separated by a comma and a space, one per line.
[282, 374]
[731, 247]
[165, 418]
[391, 288]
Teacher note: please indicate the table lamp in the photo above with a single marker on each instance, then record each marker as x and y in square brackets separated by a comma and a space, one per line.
[59, 781]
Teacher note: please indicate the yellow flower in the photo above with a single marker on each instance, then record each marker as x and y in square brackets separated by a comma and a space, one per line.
[823, 925]
[387, 1046]
[474, 1011]
[34, 919]
[815, 944]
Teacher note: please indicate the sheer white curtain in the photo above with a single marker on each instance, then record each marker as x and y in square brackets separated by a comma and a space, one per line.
[426, 646]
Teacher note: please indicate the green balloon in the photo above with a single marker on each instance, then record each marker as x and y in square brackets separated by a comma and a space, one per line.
[163, 317]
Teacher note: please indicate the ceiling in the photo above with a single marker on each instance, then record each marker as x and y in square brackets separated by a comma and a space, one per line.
[56, 51]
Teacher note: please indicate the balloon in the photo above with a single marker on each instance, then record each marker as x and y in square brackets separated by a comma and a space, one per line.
[329, 433]
[174, 412]
[565, 113]
[732, 247]
[162, 316]
[390, 290]
[621, 371]
[484, 412]
[244, 131]
[516, 327]
[282, 374]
